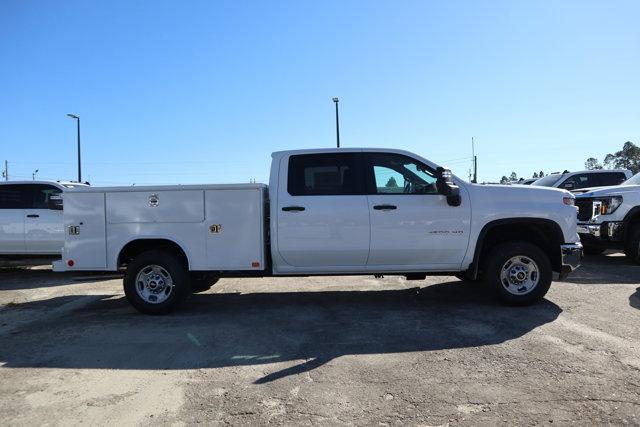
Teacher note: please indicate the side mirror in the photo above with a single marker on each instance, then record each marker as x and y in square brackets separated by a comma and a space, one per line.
[55, 202]
[568, 185]
[447, 187]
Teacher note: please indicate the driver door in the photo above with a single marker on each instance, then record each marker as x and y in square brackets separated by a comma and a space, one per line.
[411, 224]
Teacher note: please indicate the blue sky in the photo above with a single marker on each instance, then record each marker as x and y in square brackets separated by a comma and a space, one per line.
[195, 92]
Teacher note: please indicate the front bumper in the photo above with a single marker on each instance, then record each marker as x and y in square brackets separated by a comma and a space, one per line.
[589, 229]
[606, 234]
[571, 255]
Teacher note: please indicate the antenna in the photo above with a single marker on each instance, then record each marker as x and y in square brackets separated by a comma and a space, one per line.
[475, 162]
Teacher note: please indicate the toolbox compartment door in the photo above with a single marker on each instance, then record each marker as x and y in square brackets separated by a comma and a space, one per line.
[84, 227]
[235, 229]
[177, 206]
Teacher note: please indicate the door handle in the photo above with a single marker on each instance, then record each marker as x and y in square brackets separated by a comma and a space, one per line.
[385, 207]
[33, 216]
[293, 208]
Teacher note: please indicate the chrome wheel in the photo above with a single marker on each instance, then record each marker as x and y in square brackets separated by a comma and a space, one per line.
[519, 275]
[154, 284]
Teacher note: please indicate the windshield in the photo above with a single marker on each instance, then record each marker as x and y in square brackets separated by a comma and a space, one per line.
[634, 180]
[548, 180]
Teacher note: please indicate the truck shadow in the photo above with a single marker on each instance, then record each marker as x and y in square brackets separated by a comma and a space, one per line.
[634, 299]
[220, 330]
[603, 269]
[24, 278]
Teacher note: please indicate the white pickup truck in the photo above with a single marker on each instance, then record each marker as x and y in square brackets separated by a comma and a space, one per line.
[609, 218]
[31, 220]
[325, 212]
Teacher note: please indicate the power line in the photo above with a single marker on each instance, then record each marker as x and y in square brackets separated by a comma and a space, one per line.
[136, 162]
[457, 159]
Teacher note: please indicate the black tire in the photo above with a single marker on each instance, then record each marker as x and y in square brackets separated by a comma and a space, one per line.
[632, 244]
[592, 250]
[201, 284]
[172, 265]
[497, 259]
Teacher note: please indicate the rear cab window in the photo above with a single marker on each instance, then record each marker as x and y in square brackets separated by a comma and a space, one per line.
[606, 179]
[331, 174]
[41, 195]
[26, 196]
[14, 196]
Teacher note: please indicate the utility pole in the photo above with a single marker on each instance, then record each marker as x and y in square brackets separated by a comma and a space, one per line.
[475, 162]
[336, 100]
[5, 174]
[77, 118]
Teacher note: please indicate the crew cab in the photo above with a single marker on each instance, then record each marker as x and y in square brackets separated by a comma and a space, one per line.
[575, 181]
[31, 219]
[324, 212]
[609, 218]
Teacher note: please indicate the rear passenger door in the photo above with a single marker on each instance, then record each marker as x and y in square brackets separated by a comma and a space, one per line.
[13, 200]
[43, 223]
[322, 212]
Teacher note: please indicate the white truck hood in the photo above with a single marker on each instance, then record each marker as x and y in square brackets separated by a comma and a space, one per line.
[615, 190]
[519, 191]
[495, 202]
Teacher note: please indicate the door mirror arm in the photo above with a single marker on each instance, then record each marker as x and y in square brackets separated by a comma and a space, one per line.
[447, 187]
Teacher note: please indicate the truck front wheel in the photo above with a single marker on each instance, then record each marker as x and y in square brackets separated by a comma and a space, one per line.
[518, 272]
[156, 282]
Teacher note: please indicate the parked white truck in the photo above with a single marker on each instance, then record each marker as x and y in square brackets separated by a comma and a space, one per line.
[325, 212]
[609, 218]
[31, 220]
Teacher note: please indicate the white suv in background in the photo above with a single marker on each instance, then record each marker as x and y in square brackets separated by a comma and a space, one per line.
[31, 218]
[584, 179]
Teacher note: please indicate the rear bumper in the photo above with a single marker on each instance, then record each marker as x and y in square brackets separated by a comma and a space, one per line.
[571, 255]
[58, 266]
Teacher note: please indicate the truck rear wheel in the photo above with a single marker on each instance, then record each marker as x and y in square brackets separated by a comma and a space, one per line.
[519, 272]
[156, 282]
[632, 244]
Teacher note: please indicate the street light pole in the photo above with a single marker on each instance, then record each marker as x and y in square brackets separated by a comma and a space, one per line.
[336, 100]
[77, 118]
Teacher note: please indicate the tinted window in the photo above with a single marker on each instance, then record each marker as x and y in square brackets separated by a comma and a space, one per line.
[41, 194]
[14, 197]
[397, 174]
[548, 181]
[577, 181]
[323, 174]
[607, 179]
